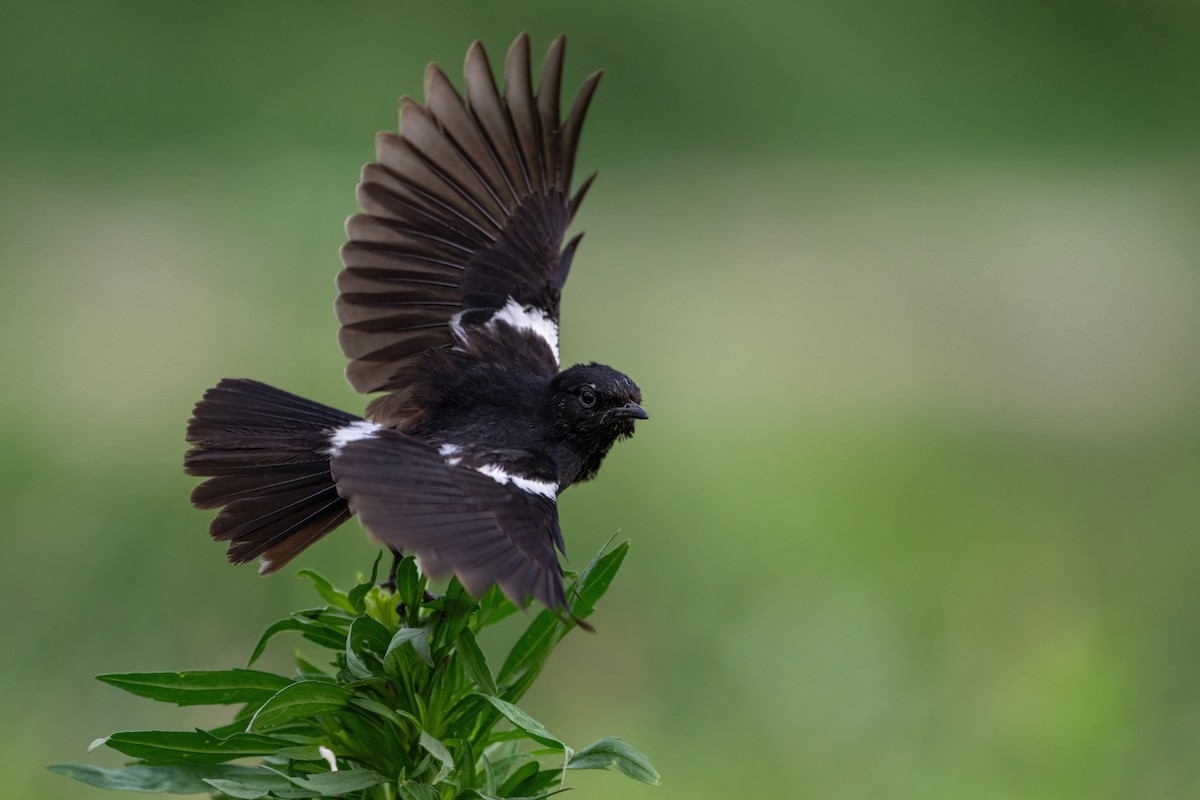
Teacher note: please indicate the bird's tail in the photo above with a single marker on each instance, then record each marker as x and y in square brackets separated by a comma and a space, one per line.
[265, 453]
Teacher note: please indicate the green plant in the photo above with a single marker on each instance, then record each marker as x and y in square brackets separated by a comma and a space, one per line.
[410, 710]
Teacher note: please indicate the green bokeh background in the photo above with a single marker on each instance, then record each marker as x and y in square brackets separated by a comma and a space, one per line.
[911, 290]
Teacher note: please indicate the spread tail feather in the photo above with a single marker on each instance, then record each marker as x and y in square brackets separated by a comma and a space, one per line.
[265, 453]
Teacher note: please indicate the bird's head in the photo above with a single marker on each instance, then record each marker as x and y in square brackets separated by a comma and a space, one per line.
[592, 406]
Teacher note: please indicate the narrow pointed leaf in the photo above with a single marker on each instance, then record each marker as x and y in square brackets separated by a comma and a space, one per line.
[474, 662]
[154, 779]
[368, 636]
[191, 747]
[266, 783]
[417, 637]
[493, 607]
[329, 594]
[594, 581]
[278, 627]
[465, 767]
[324, 627]
[456, 606]
[411, 790]
[199, 688]
[519, 776]
[440, 754]
[533, 648]
[251, 788]
[357, 595]
[300, 700]
[340, 783]
[366, 644]
[536, 730]
[397, 716]
[611, 753]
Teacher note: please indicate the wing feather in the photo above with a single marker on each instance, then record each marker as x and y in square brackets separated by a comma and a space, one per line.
[464, 216]
[522, 113]
[461, 127]
[455, 519]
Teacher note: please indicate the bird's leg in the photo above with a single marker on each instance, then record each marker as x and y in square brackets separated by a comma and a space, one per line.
[390, 584]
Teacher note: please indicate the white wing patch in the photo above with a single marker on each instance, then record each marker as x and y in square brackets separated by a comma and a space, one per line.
[499, 475]
[456, 327]
[351, 433]
[450, 452]
[528, 318]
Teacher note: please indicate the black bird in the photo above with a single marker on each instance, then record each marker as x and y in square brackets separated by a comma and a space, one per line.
[448, 301]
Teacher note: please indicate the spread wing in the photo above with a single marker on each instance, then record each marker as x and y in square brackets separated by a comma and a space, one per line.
[460, 243]
[486, 525]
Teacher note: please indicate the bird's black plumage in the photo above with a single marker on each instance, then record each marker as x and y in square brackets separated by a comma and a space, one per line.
[448, 303]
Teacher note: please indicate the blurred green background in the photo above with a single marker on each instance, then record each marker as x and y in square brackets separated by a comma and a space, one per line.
[911, 291]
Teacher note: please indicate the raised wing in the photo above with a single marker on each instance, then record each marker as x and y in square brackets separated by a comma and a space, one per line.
[486, 525]
[460, 243]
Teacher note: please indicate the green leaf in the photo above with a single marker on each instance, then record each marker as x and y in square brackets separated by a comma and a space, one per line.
[531, 652]
[531, 726]
[408, 579]
[594, 581]
[199, 688]
[329, 594]
[533, 647]
[190, 747]
[380, 606]
[418, 637]
[278, 627]
[456, 607]
[493, 607]
[537, 783]
[319, 625]
[342, 782]
[519, 776]
[366, 643]
[300, 700]
[252, 787]
[368, 636]
[411, 790]
[326, 636]
[489, 775]
[308, 671]
[465, 774]
[609, 753]
[357, 595]
[442, 755]
[474, 662]
[301, 752]
[397, 716]
[268, 783]
[156, 779]
[504, 759]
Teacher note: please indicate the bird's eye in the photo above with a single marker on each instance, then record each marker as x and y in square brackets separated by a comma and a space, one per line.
[588, 398]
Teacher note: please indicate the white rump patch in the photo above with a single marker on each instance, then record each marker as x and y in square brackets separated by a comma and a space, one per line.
[450, 453]
[499, 475]
[529, 318]
[351, 433]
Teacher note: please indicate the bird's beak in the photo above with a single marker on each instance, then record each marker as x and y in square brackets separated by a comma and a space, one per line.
[631, 410]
